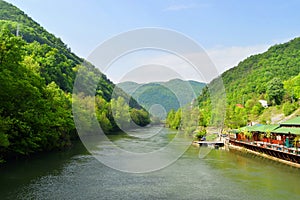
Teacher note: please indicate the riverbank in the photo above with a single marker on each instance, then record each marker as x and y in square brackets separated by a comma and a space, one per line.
[243, 149]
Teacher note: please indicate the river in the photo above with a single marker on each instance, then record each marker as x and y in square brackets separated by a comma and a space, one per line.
[75, 174]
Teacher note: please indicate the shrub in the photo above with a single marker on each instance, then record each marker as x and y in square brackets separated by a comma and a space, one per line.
[288, 108]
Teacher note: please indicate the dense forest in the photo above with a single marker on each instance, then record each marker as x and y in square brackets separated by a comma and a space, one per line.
[37, 72]
[172, 94]
[273, 76]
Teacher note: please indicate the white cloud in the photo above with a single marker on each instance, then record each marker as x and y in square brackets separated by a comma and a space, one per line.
[179, 7]
[132, 67]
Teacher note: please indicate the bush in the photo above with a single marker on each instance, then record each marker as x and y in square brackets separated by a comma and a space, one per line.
[200, 134]
[288, 108]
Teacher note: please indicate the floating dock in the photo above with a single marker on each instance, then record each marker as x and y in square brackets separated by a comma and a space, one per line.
[216, 144]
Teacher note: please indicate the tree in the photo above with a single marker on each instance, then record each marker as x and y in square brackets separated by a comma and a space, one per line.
[200, 134]
[190, 119]
[34, 116]
[105, 123]
[292, 86]
[236, 117]
[11, 49]
[288, 108]
[177, 119]
[170, 118]
[275, 91]
[140, 117]
[120, 110]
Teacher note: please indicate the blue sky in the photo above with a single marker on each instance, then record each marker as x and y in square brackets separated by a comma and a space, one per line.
[229, 30]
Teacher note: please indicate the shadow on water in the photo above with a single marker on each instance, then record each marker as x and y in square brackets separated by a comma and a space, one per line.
[19, 173]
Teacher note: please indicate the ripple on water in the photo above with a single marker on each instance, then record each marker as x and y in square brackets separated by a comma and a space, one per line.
[219, 175]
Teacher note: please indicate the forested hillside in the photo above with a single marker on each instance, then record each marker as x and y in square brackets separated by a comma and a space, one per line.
[171, 94]
[37, 72]
[272, 76]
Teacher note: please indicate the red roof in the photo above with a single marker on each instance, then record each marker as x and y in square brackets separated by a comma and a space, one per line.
[239, 105]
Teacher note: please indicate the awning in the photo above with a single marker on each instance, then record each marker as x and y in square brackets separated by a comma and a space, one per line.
[260, 128]
[266, 128]
[234, 131]
[250, 128]
[287, 130]
[291, 122]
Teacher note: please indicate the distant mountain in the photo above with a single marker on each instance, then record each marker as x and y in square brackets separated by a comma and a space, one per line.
[170, 95]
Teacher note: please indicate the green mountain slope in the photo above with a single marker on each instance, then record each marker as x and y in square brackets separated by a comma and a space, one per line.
[259, 77]
[56, 60]
[31, 31]
[171, 94]
[37, 73]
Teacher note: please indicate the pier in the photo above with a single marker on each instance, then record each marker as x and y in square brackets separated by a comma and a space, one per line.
[215, 144]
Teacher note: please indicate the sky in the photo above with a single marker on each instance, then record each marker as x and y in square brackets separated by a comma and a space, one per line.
[228, 30]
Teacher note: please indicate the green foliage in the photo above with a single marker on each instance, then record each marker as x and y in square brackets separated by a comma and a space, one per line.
[254, 109]
[200, 134]
[296, 141]
[34, 116]
[121, 113]
[170, 118]
[55, 61]
[292, 87]
[275, 91]
[177, 119]
[4, 142]
[11, 49]
[104, 115]
[265, 117]
[37, 72]
[186, 119]
[288, 108]
[190, 119]
[140, 117]
[253, 80]
[236, 117]
[174, 119]
[268, 134]
[248, 134]
[205, 108]
[31, 30]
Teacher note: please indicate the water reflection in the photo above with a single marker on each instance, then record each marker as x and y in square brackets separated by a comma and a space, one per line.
[75, 174]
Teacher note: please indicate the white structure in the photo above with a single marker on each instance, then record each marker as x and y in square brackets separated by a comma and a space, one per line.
[264, 103]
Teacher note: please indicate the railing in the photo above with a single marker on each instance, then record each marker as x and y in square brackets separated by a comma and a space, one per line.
[275, 145]
[278, 147]
[279, 151]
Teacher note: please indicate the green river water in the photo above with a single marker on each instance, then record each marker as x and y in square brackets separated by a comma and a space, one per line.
[75, 174]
